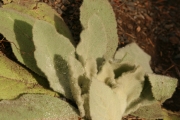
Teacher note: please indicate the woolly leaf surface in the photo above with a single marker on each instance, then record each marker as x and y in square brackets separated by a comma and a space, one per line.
[17, 28]
[105, 13]
[52, 53]
[132, 54]
[16, 80]
[150, 112]
[36, 107]
[103, 102]
[93, 40]
[162, 86]
[41, 11]
[76, 73]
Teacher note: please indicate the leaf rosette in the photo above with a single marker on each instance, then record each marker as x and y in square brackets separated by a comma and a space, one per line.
[104, 83]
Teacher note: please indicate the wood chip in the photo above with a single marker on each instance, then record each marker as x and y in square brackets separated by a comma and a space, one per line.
[138, 29]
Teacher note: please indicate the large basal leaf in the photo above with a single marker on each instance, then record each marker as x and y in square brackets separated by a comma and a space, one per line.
[16, 80]
[41, 11]
[37, 107]
[162, 86]
[17, 28]
[145, 99]
[98, 20]
[143, 87]
[132, 54]
[150, 112]
[76, 73]
[93, 40]
[52, 53]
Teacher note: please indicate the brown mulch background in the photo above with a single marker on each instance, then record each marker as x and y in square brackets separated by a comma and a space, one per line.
[153, 24]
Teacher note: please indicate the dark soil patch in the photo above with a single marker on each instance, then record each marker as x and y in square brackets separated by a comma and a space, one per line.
[153, 24]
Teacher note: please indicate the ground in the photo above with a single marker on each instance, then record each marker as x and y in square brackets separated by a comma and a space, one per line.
[153, 24]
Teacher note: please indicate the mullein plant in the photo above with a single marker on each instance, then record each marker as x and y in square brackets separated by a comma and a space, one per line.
[105, 83]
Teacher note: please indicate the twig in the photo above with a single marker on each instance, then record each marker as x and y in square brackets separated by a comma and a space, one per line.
[150, 42]
[168, 69]
[177, 71]
[130, 35]
[3, 40]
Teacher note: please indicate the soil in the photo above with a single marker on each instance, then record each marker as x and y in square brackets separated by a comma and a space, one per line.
[153, 24]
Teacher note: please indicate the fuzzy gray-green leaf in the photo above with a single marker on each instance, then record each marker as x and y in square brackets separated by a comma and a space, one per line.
[150, 112]
[105, 14]
[93, 40]
[104, 103]
[131, 84]
[162, 86]
[17, 28]
[52, 53]
[132, 54]
[106, 74]
[37, 107]
[41, 11]
[76, 72]
[16, 80]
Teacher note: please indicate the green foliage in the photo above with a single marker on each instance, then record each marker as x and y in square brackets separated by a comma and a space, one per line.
[161, 88]
[17, 28]
[16, 80]
[102, 10]
[102, 86]
[35, 107]
[51, 55]
[133, 55]
[169, 115]
[91, 39]
[110, 103]
[150, 112]
[21, 29]
[41, 11]
[132, 84]
[76, 75]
